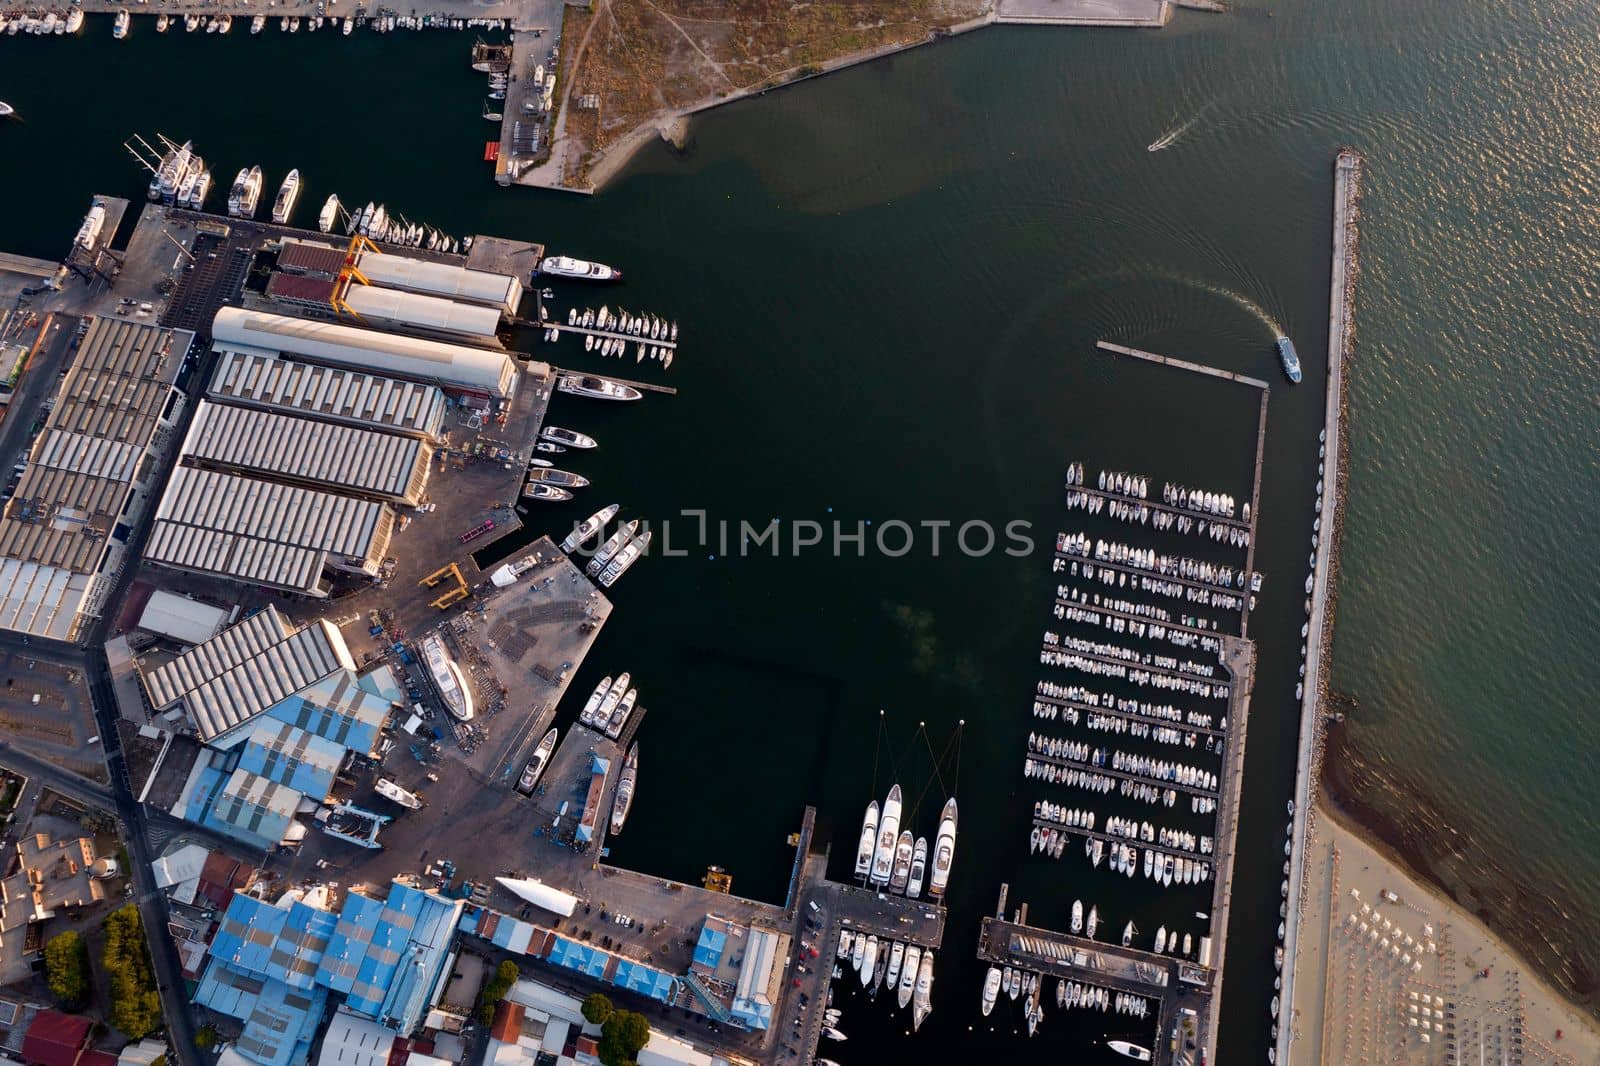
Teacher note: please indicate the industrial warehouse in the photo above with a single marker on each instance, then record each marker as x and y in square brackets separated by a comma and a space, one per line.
[59, 533]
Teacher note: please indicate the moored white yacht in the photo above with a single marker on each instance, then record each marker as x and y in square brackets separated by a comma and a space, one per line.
[561, 266]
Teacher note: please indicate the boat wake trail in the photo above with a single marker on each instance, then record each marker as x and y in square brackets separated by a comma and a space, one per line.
[1168, 139]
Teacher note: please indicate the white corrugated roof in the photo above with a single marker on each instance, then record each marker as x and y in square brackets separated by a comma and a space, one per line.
[339, 457]
[247, 668]
[441, 279]
[181, 618]
[42, 600]
[424, 312]
[329, 392]
[435, 361]
[260, 530]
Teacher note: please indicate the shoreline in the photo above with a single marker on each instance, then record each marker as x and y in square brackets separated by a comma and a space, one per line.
[673, 125]
[1364, 856]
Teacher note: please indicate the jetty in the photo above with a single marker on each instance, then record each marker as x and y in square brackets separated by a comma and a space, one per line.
[1182, 364]
[1347, 174]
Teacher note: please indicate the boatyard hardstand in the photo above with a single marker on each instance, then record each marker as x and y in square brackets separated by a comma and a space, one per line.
[695, 531]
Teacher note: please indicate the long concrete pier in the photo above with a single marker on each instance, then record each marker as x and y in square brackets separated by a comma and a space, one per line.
[1182, 364]
[1341, 334]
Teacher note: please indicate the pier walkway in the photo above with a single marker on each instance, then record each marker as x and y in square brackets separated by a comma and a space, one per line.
[1239, 656]
[1341, 333]
[1183, 364]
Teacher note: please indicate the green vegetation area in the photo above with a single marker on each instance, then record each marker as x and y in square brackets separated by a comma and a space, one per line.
[623, 1033]
[135, 1003]
[66, 969]
[495, 989]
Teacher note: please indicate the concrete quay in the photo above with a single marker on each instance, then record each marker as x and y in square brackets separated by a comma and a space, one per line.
[1341, 337]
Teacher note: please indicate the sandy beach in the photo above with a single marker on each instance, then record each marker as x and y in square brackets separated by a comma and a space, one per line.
[1385, 959]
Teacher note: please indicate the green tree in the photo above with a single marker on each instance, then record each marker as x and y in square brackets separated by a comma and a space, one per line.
[135, 1003]
[495, 989]
[65, 971]
[622, 1036]
[597, 1008]
[205, 1039]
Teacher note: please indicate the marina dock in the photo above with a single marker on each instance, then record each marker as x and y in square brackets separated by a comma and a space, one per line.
[1341, 336]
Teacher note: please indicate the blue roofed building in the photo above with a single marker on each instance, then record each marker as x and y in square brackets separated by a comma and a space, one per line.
[253, 810]
[341, 708]
[288, 755]
[274, 965]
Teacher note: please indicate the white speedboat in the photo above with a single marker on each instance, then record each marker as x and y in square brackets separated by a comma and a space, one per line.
[561, 266]
[922, 999]
[585, 530]
[330, 213]
[596, 388]
[869, 960]
[592, 704]
[1132, 1051]
[623, 800]
[536, 765]
[869, 840]
[908, 975]
[288, 194]
[569, 438]
[119, 28]
[608, 705]
[897, 958]
[991, 989]
[904, 848]
[919, 868]
[944, 850]
[888, 835]
[1077, 916]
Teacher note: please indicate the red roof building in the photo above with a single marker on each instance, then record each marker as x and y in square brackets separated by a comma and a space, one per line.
[56, 1039]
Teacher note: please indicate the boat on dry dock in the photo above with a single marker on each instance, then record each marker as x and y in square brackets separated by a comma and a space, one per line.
[391, 791]
[446, 677]
[536, 765]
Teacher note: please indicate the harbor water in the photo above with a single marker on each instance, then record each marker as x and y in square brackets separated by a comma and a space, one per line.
[890, 283]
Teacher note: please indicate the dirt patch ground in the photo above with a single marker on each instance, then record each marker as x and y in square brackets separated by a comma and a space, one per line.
[638, 63]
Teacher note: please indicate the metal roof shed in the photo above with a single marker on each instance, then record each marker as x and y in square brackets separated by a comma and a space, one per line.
[426, 313]
[452, 365]
[501, 291]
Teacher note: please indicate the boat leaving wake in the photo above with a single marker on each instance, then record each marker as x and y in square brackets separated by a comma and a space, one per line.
[1168, 139]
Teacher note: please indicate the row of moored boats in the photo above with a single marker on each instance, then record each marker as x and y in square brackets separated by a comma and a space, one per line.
[72, 21]
[888, 857]
[906, 969]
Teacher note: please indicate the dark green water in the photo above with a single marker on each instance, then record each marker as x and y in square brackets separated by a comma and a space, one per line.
[890, 283]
